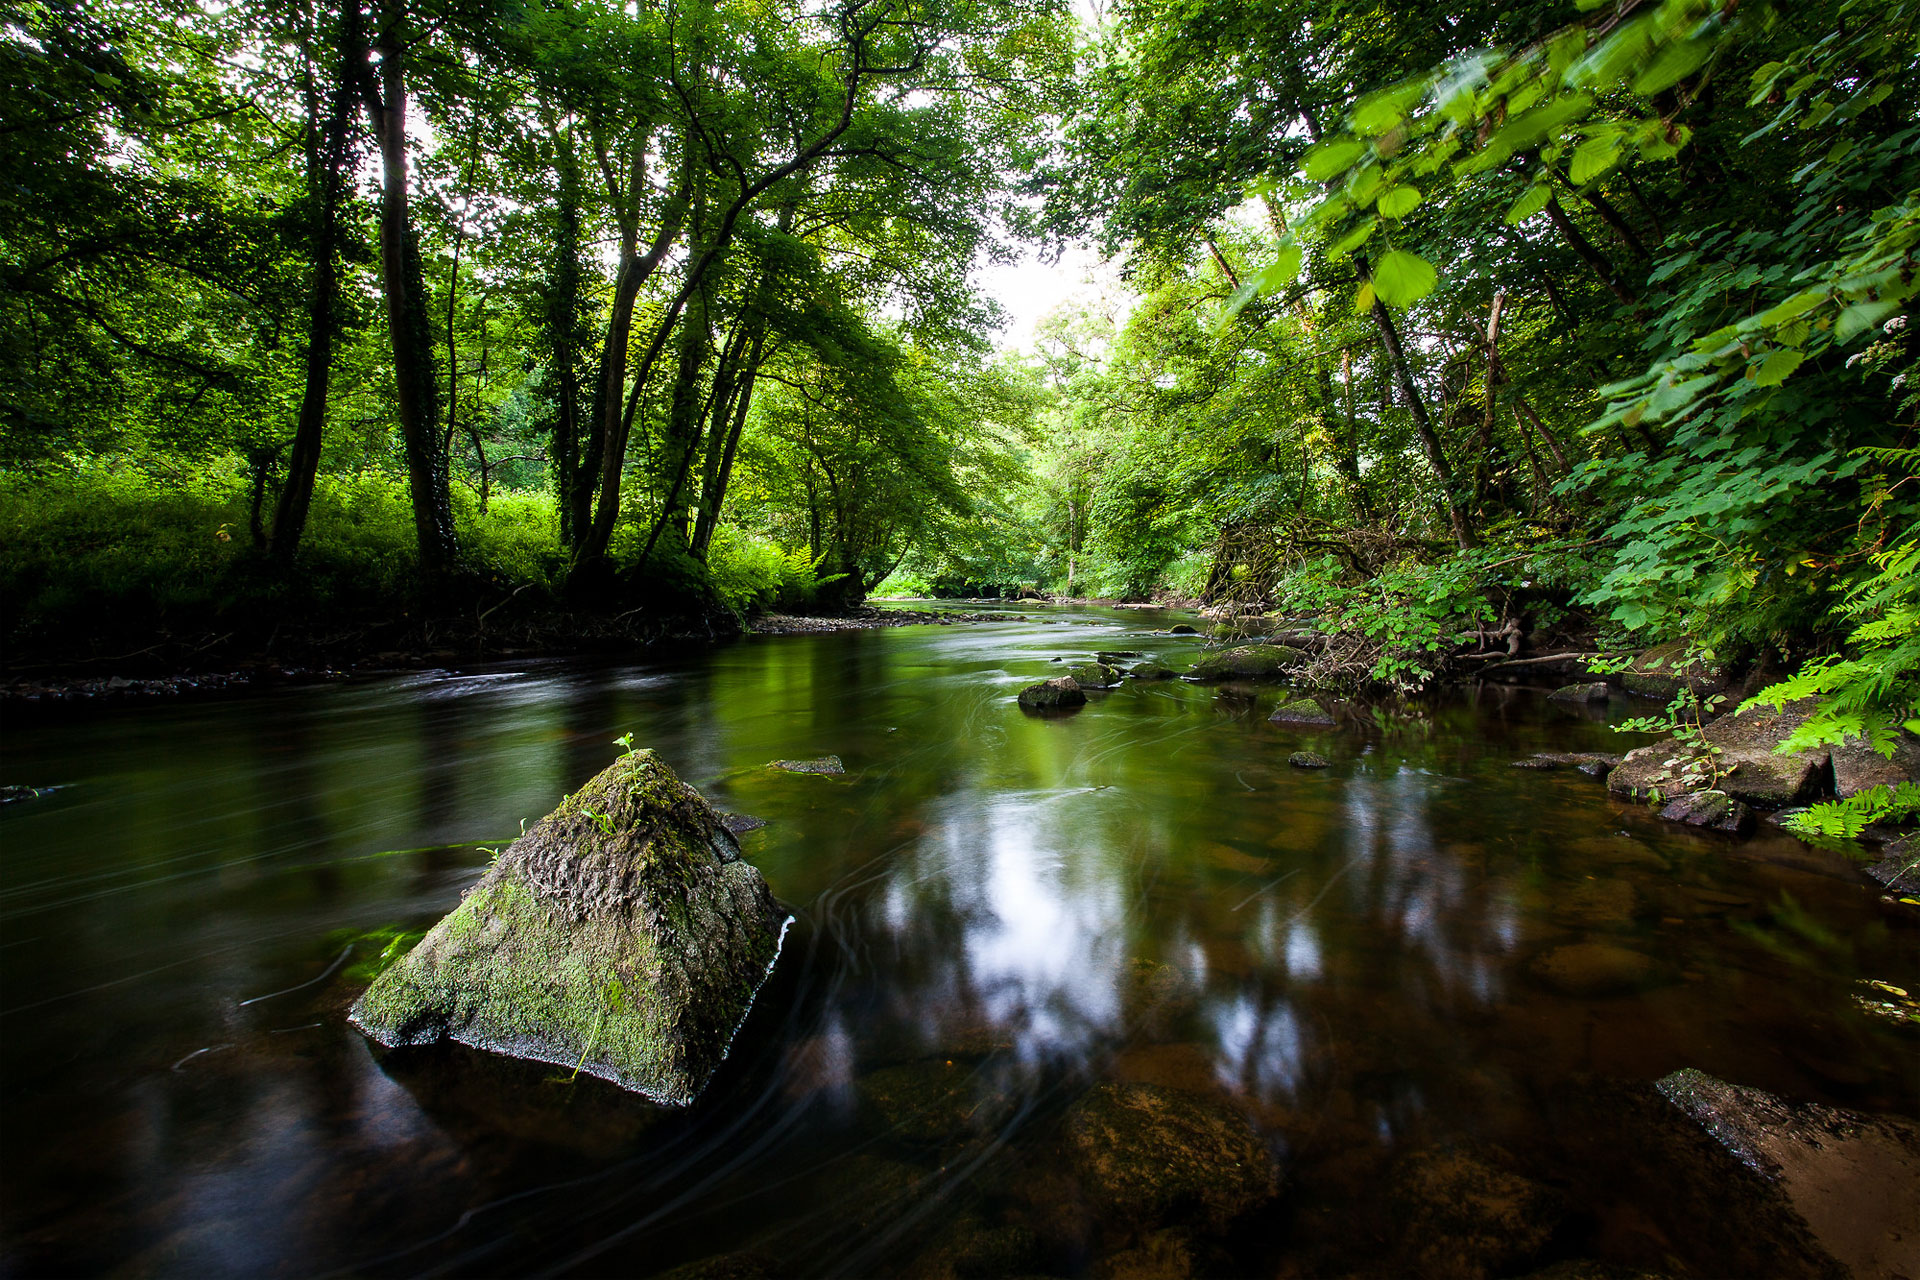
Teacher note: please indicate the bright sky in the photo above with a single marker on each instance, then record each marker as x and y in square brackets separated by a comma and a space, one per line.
[1030, 288]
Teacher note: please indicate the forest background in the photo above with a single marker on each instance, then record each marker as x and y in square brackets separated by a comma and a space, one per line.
[323, 321]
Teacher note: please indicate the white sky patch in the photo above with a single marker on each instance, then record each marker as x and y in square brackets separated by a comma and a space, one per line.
[1030, 289]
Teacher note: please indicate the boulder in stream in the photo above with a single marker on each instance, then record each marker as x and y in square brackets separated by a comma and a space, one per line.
[1151, 1154]
[1826, 1191]
[1593, 691]
[1741, 762]
[1309, 760]
[1181, 629]
[1595, 970]
[1094, 675]
[825, 765]
[1302, 713]
[1057, 694]
[1248, 662]
[622, 935]
[1466, 1213]
[1150, 670]
[1714, 810]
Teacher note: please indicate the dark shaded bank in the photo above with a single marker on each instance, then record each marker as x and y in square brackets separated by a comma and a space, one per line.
[80, 671]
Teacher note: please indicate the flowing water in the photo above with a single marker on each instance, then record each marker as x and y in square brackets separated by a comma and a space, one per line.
[995, 914]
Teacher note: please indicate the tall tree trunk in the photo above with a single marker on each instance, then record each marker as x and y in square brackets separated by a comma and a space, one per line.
[404, 284]
[1422, 425]
[1584, 250]
[328, 139]
[561, 317]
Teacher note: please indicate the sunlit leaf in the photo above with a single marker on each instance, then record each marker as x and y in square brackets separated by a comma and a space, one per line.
[1402, 279]
[1531, 202]
[1398, 202]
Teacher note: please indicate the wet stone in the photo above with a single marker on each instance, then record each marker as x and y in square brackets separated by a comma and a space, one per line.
[1162, 1255]
[1848, 1180]
[1594, 691]
[1302, 713]
[1181, 629]
[739, 823]
[1094, 675]
[748, 1264]
[1150, 671]
[1714, 810]
[1308, 760]
[1596, 904]
[1595, 764]
[1248, 662]
[1050, 695]
[824, 765]
[1150, 1155]
[622, 936]
[1467, 1214]
[1114, 657]
[1589, 970]
[935, 1101]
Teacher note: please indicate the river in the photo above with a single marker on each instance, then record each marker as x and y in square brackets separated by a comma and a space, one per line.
[992, 906]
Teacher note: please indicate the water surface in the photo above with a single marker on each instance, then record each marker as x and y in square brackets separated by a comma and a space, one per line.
[991, 905]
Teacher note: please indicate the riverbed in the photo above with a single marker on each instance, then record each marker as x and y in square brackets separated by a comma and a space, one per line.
[1000, 919]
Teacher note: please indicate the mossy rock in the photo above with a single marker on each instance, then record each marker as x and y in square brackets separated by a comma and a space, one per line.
[1594, 970]
[1466, 1213]
[1149, 1154]
[1302, 713]
[826, 765]
[1248, 662]
[935, 1101]
[1094, 675]
[622, 934]
[1181, 629]
[1114, 657]
[1662, 671]
[1309, 760]
[1151, 670]
[1058, 694]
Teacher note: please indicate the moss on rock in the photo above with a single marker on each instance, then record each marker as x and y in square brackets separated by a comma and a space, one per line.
[622, 934]
[1248, 662]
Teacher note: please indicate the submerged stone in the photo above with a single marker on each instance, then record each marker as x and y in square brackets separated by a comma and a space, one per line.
[1114, 657]
[1593, 691]
[824, 765]
[1248, 662]
[1308, 760]
[622, 935]
[1150, 670]
[1589, 970]
[935, 1101]
[1714, 810]
[1094, 675]
[1056, 694]
[1466, 1214]
[1150, 1154]
[1595, 764]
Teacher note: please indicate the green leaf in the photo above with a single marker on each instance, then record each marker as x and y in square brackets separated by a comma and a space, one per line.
[1860, 317]
[1533, 201]
[1672, 65]
[1775, 367]
[1330, 159]
[1398, 202]
[1402, 279]
[1594, 157]
[1353, 239]
[1283, 271]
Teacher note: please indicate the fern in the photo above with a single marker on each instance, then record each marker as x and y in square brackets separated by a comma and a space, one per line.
[1850, 817]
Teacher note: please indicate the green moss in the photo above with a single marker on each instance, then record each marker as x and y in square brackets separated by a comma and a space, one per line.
[631, 954]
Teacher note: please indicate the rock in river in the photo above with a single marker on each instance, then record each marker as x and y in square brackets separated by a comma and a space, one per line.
[1150, 1154]
[622, 933]
[824, 765]
[1594, 691]
[1094, 675]
[1248, 662]
[1150, 670]
[1302, 713]
[1467, 1214]
[1052, 695]
[1308, 760]
[1590, 970]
